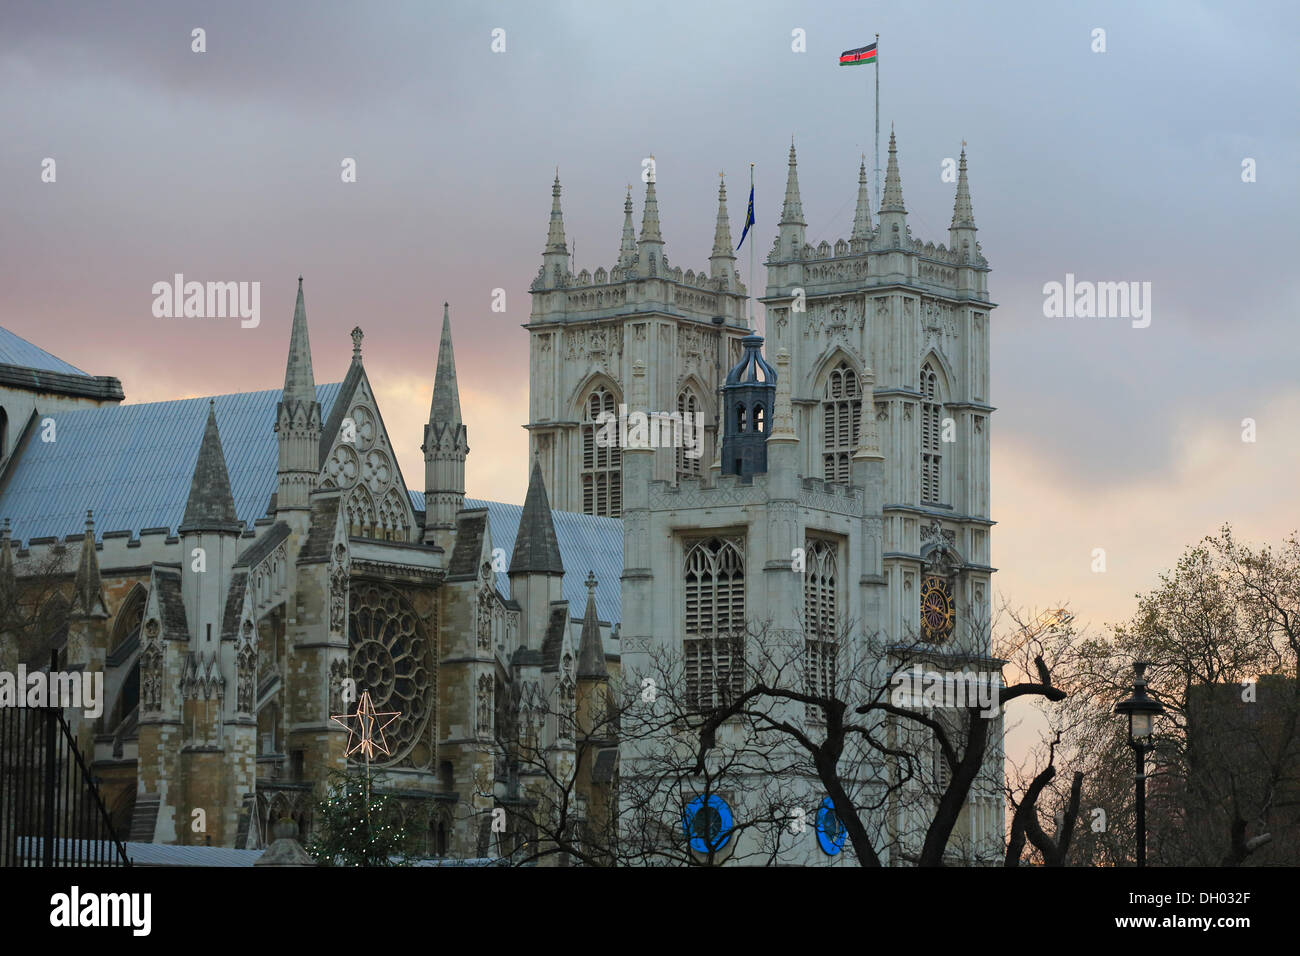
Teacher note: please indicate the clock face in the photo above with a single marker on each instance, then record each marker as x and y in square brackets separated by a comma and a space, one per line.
[938, 613]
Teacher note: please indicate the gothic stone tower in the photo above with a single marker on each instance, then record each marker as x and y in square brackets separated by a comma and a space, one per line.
[877, 473]
[587, 331]
[912, 321]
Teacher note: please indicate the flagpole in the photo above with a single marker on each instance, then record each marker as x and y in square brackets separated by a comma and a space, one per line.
[877, 121]
[751, 255]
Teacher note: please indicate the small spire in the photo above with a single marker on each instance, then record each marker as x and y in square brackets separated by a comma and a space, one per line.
[87, 588]
[792, 210]
[627, 248]
[555, 243]
[357, 336]
[446, 395]
[210, 506]
[650, 215]
[299, 381]
[893, 198]
[537, 549]
[591, 650]
[721, 261]
[962, 214]
[868, 447]
[862, 216]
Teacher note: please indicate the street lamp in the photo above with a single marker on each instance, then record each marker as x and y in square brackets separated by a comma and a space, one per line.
[1142, 710]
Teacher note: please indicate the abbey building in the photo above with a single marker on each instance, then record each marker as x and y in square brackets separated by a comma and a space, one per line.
[234, 564]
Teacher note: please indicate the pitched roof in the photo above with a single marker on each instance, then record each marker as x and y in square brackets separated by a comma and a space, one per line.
[133, 464]
[15, 350]
[536, 550]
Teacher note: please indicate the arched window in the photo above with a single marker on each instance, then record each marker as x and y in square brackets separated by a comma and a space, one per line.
[688, 465]
[931, 457]
[740, 418]
[714, 641]
[842, 420]
[602, 476]
[758, 418]
[821, 619]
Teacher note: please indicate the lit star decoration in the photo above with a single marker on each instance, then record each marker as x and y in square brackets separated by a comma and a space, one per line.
[369, 731]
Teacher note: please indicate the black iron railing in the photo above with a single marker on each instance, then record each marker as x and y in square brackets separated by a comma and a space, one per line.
[51, 812]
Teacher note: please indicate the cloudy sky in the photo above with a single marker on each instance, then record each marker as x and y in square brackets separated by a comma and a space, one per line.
[1122, 165]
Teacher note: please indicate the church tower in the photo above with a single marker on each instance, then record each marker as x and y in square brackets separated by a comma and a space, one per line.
[902, 324]
[587, 330]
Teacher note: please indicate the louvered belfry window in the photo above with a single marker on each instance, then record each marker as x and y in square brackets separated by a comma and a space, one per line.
[821, 619]
[931, 457]
[688, 466]
[842, 420]
[715, 621]
[602, 476]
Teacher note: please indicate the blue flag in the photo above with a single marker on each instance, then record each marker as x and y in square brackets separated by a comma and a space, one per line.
[749, 219]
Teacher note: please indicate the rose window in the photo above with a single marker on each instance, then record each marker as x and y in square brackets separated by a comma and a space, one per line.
[393, 660]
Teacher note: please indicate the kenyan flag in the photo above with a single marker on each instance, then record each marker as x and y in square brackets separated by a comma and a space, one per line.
[863, 54]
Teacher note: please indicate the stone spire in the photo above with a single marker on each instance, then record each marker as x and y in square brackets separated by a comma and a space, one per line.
[445, 445]
[627, 248]
[862, 216]
[650, 245]
[962, 214]
[537, 550]
[893, 215]
[892, 201]
[868, 447]
[88, 588]
[555, 242]
[299, 383]
[210, 507]
[298, 421]
[591, 650]
[722, 262]
[446, 394]
[961, 233]
[783, 410]
[792, 226]
[555, 258]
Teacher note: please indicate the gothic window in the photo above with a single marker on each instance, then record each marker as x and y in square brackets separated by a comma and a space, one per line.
[931, 457]
[392, 659]
[820, 619]
[602, 477]
[360, 512]
[758, 418]
[841, 420]
[740, 418]
[715, 621]
[688, 465]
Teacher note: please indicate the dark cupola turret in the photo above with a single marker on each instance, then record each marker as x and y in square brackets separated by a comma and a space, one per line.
[747, 400]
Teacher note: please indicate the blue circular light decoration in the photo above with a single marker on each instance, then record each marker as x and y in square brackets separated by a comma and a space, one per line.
[831, 833]
[707, 823]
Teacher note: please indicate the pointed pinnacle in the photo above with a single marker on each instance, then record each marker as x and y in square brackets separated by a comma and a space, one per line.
[445, 407]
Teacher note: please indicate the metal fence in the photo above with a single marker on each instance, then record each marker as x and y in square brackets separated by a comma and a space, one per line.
[51, 813]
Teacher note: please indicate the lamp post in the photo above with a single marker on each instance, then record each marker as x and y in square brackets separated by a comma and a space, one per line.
[1142, 710]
